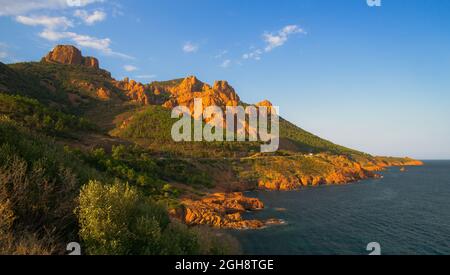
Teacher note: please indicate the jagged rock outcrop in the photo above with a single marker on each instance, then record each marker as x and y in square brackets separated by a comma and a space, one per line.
[89, 61]
[138, 92]
[70, 55]
[96, 90]
[220, 94]
[103, 93]
[134, 90]
[264, 103]
[189, 85]
[222, 211]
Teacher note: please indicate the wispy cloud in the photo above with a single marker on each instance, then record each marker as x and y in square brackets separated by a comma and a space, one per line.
[101, 44]
[47, 22]
[226, 63]
[55, 28]
[20, 7]
[254, 54]
[189, 47]
[273, 41]
[90, 18]
[130, 68]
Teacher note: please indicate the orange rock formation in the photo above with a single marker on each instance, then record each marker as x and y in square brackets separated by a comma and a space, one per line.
[70, 55]
[222, 211]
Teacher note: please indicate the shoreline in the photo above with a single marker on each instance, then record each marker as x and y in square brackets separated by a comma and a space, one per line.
[225, 210]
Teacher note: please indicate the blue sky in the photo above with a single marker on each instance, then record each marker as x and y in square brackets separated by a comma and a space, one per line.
[375, 79]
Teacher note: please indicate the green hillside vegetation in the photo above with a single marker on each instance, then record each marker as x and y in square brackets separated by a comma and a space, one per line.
[152, 128]
[40, 183]
[153, 125]
[309, 143]
[14, 82]
[62, 77]
[32, 114]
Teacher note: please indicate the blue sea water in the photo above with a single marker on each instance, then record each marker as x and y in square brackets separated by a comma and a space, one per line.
[405, 212]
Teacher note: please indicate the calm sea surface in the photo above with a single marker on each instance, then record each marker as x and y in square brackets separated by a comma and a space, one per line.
[406, 213]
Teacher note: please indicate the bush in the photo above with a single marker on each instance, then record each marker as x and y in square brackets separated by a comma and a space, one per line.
[117, 220]
[39, 184]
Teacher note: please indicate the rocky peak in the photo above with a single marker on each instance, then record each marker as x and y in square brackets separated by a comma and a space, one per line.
[220, 94]
[191, 84]
[70, 55]
[264, 103]
[221, 85]
[138, 92]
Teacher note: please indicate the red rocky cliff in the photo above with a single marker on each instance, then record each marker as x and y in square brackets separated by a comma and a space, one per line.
[70, 55]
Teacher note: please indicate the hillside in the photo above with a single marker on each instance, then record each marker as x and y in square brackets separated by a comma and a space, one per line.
[80, 139]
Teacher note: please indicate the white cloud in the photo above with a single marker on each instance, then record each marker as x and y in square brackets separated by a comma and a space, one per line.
[188, 47]
[255, 55]
[50, 23]
[90, 18]
[55, 36]
[55, 28]
[281, 37]
[130, 68]
[20, 7]
[226, 63]
[101, 44]
[274, 40]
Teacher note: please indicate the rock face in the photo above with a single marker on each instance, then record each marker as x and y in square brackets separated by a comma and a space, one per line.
[222, 211]
[265, 103]
[293, 173]
[91, 62]
[103, 94]
[138, 92]
[220, 94]
[70, 55]
[381, 163]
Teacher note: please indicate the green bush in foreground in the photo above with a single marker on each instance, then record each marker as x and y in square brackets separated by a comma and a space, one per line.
[118, 220]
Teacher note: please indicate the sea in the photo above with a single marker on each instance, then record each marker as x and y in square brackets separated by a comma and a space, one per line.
[404, 213]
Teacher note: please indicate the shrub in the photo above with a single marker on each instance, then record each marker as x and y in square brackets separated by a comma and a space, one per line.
[117, 220]
[39, 184]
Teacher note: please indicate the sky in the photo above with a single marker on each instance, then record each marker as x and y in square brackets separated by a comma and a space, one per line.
[376, 79]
